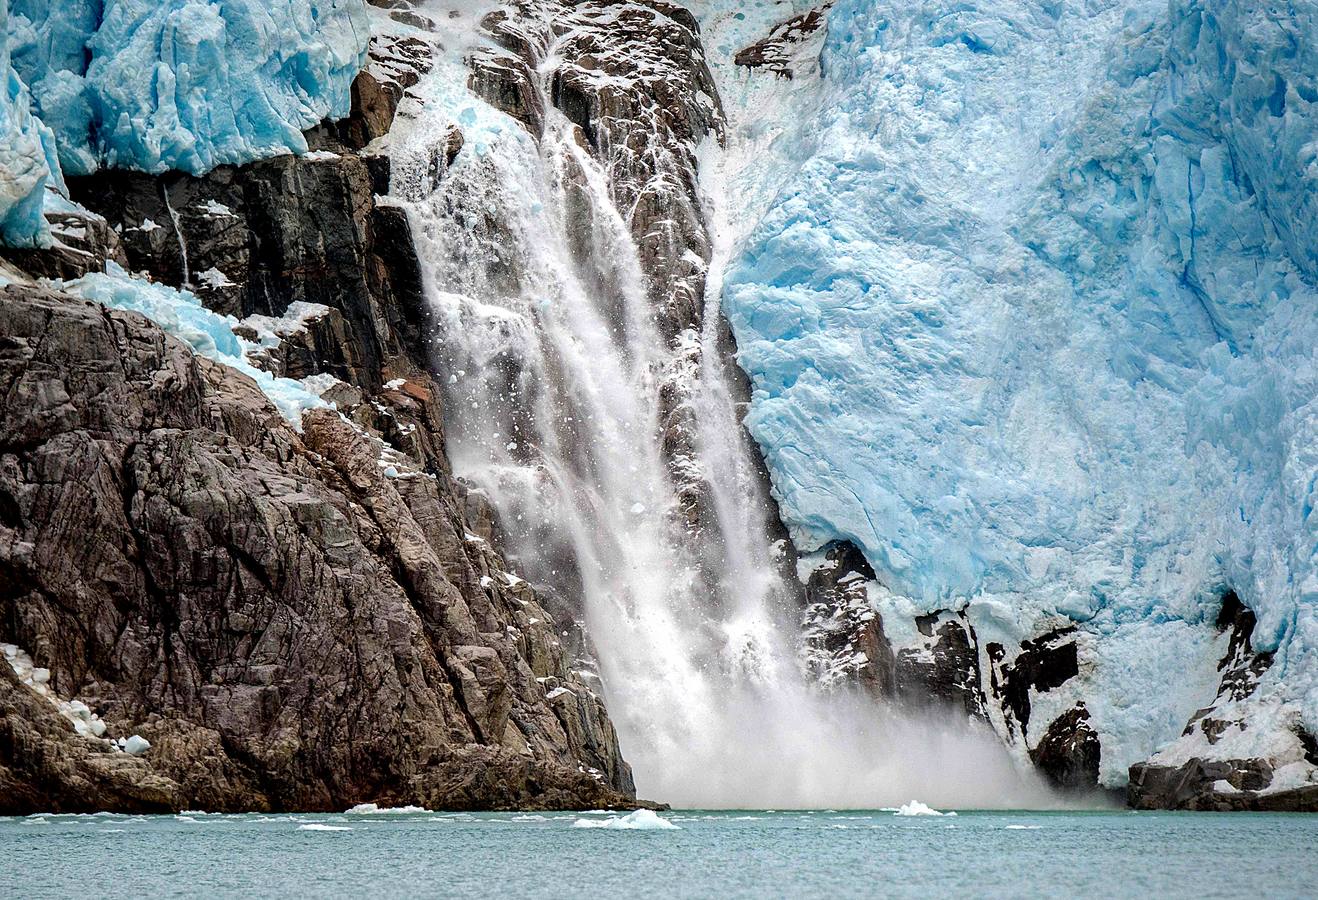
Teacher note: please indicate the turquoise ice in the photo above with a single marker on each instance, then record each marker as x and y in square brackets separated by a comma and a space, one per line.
[1032, 321]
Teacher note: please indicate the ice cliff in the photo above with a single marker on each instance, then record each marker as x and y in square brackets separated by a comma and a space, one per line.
[156, 86]
[1030, 320]
[27, 156]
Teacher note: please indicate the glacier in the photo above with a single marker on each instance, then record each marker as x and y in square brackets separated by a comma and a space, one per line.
[183, 85]
[1027, 301]
[186, 84]
[27, 157]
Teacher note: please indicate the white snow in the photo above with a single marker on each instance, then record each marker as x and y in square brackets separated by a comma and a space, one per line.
[214, 278]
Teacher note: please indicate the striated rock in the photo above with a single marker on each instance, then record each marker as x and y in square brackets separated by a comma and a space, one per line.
[775, 51]
[287, 626]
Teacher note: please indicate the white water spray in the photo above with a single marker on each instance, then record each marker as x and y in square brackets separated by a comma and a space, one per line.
[554, 365]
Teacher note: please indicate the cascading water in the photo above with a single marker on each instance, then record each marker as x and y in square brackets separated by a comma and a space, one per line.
[554, 364]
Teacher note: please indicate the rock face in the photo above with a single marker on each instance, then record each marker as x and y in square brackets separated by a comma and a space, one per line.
[287, 626]
[292, 620]
[774, 51]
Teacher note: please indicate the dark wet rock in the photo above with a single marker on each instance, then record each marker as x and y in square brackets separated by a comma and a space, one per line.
[946, 671]
[1069, 753]
[505, 75]
[289, 627]
[1215, 785]
[1242, 666]
[1042, 664]
[843, 633]
[255, 239]
[846, 642]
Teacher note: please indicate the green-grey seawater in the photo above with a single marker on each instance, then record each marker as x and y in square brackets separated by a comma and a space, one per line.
[709, 854]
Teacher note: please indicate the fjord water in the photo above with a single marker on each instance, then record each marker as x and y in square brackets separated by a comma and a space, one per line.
[727, 854]
[558, 376]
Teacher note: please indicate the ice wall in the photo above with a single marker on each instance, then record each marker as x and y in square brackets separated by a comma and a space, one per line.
[1032, 322]
[186, 84]
[27, 150]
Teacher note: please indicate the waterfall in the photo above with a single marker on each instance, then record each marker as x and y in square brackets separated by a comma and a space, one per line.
[553, 364]
[178, 234]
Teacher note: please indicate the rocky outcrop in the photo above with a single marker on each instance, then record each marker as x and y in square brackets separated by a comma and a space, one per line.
[1069, 753]
[291, 619]
[776, 52]
[942, 665]
[1216, 786]
[1215, 765]
[846, 642]
[288, 627]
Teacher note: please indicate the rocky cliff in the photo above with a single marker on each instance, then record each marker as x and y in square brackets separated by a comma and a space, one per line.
[299, 615]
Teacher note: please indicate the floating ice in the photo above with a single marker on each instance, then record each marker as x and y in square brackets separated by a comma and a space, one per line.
[641, 820]
[375, 809]
[916, 808]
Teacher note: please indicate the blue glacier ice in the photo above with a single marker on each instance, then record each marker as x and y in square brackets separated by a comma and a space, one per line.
[209, 334]
[28, 166]
[159, 85]
[1031, 319]
[192, 84]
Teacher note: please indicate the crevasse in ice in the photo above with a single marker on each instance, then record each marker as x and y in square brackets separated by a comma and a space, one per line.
[1032, 321]
[186, 84]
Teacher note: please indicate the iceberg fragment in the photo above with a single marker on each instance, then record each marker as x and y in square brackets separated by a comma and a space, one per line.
[640, 820]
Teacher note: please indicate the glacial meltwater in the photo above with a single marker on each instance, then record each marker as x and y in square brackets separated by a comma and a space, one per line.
[678, 854]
